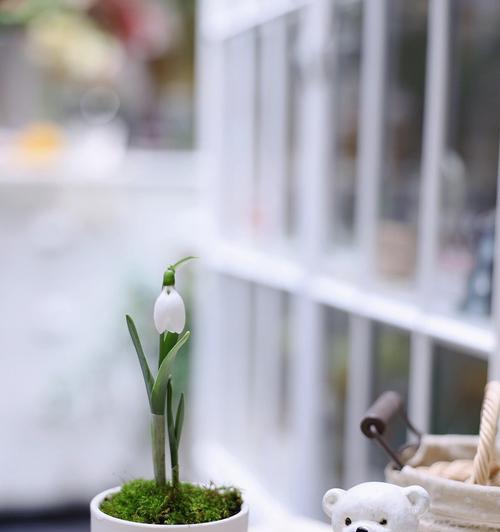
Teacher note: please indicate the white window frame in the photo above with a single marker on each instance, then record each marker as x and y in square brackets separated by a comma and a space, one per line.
[303, 276]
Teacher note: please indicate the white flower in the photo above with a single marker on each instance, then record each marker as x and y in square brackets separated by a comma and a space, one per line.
[169, 312]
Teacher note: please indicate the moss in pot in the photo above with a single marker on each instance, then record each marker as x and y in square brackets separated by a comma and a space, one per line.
[167, 503]
[144, 501]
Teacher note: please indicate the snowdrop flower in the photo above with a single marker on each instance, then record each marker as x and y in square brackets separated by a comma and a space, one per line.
[169, 311]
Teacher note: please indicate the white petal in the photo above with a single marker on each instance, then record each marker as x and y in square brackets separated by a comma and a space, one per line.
[176, 312]
[169, 311]
[159, 314]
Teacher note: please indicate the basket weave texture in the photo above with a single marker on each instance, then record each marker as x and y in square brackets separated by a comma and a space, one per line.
[472, 503]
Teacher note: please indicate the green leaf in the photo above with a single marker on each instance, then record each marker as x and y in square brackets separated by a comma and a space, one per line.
[170, 415]
[167, 341]
[146, 372]
[160, 386]
[180, 262]
[179, 420]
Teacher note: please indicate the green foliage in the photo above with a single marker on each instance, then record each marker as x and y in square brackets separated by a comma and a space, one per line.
[160, 400]
[159, 391]
[160, 394]
[157, 387]
[143, 501]
[179, 420]
[146, 372]
[174, 431]
[167, 341]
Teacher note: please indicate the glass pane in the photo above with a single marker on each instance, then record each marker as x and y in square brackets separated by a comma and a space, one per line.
[390, 372]
[268, 427]
[348, 25]
[273, 216]
[406, 60]
[469, 167]
[458, 387]
[337, 345]
[238, 180]
[284, 366]
[291, 193]
[236, 358]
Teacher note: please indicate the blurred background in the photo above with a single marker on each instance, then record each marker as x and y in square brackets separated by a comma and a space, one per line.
[334, 163]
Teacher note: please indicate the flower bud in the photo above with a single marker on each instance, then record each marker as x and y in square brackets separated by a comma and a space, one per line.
[169, 311]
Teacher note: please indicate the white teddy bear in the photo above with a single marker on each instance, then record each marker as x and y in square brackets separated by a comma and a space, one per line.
[376, 507]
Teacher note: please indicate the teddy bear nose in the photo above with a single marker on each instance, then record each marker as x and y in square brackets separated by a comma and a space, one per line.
[361, 529]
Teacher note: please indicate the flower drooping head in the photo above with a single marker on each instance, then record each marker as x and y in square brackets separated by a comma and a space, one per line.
[169, 310]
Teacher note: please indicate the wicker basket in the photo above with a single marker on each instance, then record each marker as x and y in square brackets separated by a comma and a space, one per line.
[436, 463]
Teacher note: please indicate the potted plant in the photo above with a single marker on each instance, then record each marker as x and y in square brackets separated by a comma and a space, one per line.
[162, 503]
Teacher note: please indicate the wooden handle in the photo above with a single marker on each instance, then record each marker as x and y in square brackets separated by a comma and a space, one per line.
[381, 413]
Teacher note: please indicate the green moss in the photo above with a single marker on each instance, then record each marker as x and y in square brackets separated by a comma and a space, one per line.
[143, 501]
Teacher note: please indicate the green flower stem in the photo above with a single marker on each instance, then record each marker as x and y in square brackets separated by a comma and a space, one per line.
[172, 440]
[174, 457]
[158, 441]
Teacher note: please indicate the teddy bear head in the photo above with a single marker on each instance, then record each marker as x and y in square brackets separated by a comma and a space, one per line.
[376, 507]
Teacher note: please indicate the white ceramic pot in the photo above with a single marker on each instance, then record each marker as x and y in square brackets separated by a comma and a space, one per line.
[101, 522]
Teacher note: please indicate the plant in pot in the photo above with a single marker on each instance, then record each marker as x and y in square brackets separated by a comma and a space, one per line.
[167, 503]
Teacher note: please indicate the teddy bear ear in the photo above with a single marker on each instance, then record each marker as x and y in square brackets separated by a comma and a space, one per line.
[330, 498]
[419, 499]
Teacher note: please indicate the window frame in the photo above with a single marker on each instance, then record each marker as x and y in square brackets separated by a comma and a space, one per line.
[303, 275]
